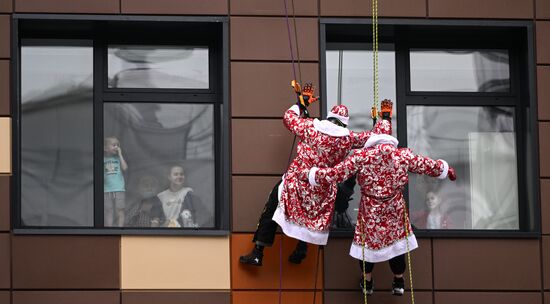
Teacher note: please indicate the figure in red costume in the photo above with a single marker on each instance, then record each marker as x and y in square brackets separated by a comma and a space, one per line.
[382, 172]
[305, 212]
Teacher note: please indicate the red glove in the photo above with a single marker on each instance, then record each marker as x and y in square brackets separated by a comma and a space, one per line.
[451, 174]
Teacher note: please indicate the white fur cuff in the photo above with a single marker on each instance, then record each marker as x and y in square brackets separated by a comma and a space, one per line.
[443, 174]
[295, 109]
[311, 176]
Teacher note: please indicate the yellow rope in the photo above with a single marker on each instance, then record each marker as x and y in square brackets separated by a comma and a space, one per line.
[406, 220]
[375, 56]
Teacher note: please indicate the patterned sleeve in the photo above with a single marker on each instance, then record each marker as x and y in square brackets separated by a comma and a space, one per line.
[359, 139]
[425, 165]
[338, 173]
[294, 123]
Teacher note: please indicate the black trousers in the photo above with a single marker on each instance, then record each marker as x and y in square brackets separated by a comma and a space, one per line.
[265, 233]
[397, 265]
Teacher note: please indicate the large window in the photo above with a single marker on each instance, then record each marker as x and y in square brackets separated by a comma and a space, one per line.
[458, 97]
[122, 132]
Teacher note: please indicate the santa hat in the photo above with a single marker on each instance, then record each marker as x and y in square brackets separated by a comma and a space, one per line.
[339, 112]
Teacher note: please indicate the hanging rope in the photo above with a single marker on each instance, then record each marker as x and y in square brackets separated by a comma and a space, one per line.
[375, 81]
[406, 220]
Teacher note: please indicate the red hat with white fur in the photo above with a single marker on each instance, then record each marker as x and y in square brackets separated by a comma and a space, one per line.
[339, 112]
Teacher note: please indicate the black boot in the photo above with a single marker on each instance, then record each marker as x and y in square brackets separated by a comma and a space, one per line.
[398, 286]
[368, 288]
[254, 258]
[299, 253]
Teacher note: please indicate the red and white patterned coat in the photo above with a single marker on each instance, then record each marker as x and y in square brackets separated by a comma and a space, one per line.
[304, 211]
[382, 173]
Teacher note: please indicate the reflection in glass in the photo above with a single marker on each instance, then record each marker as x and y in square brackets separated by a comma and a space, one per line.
[479, 142]
[169, 149]
[350, 82]
[56, 136]
[166, 67]
[460, 71]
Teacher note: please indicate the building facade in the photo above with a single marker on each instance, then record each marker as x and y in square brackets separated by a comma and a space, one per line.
[470, 81]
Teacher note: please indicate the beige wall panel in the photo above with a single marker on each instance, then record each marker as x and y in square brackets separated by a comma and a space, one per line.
[266, 38]
[273, 81]
[517, 9]
[543, 9]
[4, 87]
[275, 8]
[5, 145]
[5, 34]
[488, 297]
[66, 297]
[175, 262]
[543, 42]
[272, 144]
[68, 6]
[543, 91]
[178, 7]
[386, 8]
[475, 263]
[544, 148]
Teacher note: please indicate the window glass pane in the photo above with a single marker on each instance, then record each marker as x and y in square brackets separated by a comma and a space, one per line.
[150, 66]
[354, 68]
[460, 70]
[56, 136]
[479, 142]
[170, 176]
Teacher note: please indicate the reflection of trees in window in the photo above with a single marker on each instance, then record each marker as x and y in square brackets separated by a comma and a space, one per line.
[56, 137]
[158, 67]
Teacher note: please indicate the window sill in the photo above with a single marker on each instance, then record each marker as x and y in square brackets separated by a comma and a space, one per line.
[96, 231]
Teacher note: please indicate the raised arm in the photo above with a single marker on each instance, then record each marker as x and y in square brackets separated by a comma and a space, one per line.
[336, 174]
[294, 123]
[359, 139]
[424, 165]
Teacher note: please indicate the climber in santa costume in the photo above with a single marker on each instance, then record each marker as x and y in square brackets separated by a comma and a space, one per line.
[382, 172]
[304, 212]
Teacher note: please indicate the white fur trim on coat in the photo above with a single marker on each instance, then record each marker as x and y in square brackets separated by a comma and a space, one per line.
[295, 109]
[377, 139]
[343, 119]
[299, 232]
[311, 176]
[327, 127]
[443, 174]
[384, 254]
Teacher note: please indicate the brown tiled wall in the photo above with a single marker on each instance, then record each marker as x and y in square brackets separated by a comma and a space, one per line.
[87, 269]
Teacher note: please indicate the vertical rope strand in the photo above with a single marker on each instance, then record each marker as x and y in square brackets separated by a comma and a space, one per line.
[406, 220]
[296, 43]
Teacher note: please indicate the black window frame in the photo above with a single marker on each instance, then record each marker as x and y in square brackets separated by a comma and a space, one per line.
[407, 34]
[105, 30]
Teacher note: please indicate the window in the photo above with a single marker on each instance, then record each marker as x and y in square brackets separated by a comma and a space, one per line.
[458, 97]
[122, 133]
